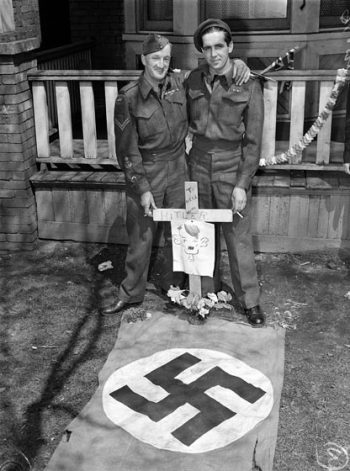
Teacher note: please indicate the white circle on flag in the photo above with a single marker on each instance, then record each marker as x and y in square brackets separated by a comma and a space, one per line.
[187, 400]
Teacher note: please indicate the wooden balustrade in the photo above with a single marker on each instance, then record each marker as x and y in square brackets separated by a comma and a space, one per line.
[75, 56]
[323, 154]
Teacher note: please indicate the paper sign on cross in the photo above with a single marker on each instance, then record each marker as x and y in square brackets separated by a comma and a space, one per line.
[192, 212]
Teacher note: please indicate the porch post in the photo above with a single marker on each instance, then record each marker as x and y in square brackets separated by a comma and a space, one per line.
[19, 34]
[347, 128]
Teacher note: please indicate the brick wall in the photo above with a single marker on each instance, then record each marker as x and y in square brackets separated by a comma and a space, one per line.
[102, 20]
[18, 227]
[18, 221]
[27, 21]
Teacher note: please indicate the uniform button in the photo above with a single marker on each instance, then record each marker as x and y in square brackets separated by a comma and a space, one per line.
[133, 178]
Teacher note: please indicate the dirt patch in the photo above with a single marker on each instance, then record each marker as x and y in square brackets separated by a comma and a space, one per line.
[55, 341]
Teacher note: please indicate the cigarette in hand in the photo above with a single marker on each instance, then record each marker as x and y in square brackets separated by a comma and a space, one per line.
[239, 214]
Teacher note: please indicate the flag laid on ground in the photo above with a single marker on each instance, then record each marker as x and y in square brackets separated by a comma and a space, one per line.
[176, 396]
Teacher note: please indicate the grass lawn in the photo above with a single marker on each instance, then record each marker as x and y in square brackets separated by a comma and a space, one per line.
[54, 341]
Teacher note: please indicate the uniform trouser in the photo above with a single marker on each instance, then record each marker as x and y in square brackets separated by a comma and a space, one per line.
[167, 185]
[347, 129]
[216, 179]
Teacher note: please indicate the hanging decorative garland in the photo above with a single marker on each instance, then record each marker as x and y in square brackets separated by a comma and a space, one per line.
[286, 157]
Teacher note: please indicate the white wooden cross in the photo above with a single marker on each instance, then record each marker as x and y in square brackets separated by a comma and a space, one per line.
[193, 212]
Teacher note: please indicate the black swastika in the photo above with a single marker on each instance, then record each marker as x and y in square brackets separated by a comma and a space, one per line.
[212, 413]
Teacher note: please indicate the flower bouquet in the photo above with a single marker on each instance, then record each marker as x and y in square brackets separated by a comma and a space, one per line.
[198, 306]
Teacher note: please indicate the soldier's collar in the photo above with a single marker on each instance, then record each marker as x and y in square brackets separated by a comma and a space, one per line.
[228, 76]
[146, 87]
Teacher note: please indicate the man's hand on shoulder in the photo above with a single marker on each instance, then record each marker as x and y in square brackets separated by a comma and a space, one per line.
[347, 168]
[147, 202]
[241, 72]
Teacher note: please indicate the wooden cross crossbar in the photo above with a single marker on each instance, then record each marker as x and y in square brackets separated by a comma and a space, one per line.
[193, 212]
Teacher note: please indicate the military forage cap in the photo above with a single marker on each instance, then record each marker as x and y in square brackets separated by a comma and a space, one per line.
[209, 23]
[153, 43]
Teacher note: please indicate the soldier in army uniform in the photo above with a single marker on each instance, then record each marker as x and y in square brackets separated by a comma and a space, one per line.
[226, 121]
[150, 129]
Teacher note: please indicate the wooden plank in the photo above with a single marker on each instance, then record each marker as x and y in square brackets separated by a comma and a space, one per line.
[322, 226]
[314, 207]
[114, 177]
[298, 216]
[75, 160]
[96, 177]
[283, 244]
[82, 176]
[67, 176]
[61, 205]
[335, 220]
[265, 180]
[115, 207]
[126, 75]
[64, 116]
[282, 181]
[79, 208]
[324, 136]
[297, 117]
[344, 181]
[297, 179]
[195, 284]
[260, 214]
[44, 204]
[86, 75]
[269, 128]
[41, 119]
[111, 93]
[346, 218]
[82, 232]
[95, 206]
[305, 166]
[88, 119]
[279, 215]
[320, 181]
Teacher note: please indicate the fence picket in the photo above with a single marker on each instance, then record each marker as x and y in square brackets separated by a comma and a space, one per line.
[64, 119]
[88, 119]
[324, 136]
[111, 93]
[269, 129]
[41, 119]
[297, 116]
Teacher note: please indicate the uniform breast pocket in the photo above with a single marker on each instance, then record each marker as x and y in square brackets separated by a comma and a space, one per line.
[177, 99]
[197, 104]
[232, 108]
[150, 121]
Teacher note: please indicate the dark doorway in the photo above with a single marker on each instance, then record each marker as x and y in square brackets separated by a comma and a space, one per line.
[54, 23]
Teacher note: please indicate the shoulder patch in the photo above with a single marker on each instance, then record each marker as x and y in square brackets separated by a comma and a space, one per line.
[121, 112]
[130, 86]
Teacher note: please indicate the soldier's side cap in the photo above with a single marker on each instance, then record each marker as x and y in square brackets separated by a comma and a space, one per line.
[209, 23]
[153, 43]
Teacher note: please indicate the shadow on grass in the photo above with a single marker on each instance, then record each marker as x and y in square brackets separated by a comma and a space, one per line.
[22, 438]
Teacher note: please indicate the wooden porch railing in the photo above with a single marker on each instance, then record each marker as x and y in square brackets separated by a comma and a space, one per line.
[76, 56]
[321, 155]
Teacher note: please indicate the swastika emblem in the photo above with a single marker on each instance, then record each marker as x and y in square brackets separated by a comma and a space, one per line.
[187, 400]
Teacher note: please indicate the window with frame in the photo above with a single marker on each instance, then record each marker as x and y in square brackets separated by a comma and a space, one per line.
[156, 15]
[249, 15]
[332, 12]
[7, 22]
